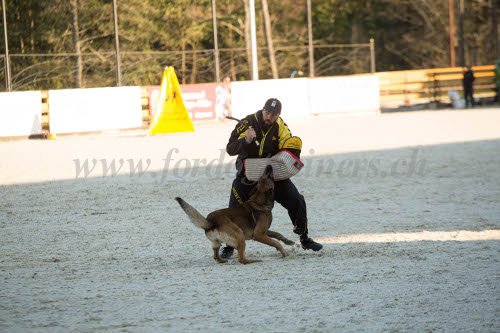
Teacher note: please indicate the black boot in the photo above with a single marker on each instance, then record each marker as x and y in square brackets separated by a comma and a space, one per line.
[309, 244]
[227, 252]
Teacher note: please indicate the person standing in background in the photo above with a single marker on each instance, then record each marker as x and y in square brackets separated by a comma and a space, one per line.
[468, 83]
[497, 81]
[223, 99]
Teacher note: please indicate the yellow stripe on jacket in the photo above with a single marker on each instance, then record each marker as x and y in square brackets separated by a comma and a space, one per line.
[283, 133]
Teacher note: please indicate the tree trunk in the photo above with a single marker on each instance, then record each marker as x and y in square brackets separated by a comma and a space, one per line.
[76, 43]
[356, 61]
[194, 68]
[21, 39]
[232, 66]
[32, 30]
[269, 37]
[183, 59]
[494, 22]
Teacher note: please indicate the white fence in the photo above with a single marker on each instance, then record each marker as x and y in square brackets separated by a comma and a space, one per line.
[20, 113]
[346, 94]
[304, 97]
[85, 110]
[250, 96]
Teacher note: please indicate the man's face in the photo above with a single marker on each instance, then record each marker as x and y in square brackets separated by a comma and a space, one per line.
[269, 118]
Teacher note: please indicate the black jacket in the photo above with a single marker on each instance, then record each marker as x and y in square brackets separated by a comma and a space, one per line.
[270, 142]
[468, 78]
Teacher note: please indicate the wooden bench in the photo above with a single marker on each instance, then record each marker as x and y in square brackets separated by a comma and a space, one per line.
[406, 88]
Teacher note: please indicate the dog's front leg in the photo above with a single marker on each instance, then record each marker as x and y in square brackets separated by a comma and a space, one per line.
[265, 239]
[260, 235]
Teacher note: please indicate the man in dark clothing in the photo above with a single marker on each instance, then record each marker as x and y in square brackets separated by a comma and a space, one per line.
[263, 134]
[468, 81]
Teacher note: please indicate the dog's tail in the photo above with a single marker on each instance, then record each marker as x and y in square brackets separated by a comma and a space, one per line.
[195, 216]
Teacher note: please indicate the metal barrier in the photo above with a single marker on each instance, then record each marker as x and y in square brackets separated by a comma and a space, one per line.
[62, 70]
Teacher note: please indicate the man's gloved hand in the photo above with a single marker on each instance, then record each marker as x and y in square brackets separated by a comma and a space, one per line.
[250, 135]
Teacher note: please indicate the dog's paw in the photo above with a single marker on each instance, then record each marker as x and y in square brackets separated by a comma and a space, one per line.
[246, 261]
[285, 254]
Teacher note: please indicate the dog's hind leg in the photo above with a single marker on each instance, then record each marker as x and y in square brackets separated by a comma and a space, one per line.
[238, 242]
[280, 237]
[215, 248]
[232, 235]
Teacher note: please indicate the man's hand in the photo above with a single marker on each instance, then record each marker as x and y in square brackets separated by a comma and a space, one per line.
[250, 135]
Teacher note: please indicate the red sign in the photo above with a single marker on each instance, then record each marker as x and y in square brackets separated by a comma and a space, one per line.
[204, 101]
[199, 99]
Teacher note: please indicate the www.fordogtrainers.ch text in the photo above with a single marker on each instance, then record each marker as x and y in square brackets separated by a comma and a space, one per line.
[183, 168]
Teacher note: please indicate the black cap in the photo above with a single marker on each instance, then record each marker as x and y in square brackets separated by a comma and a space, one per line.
[272, 105]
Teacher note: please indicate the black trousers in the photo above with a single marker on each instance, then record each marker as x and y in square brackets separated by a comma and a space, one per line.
[285, 193]
[469, 95]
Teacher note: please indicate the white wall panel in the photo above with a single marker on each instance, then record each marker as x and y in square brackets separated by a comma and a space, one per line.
[86, 110]
[249, 96]
[303, 97]
[345, 94]
[20, 113]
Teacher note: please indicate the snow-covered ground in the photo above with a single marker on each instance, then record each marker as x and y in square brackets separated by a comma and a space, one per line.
[407, 206]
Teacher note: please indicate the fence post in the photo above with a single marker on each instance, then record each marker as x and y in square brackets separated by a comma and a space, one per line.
[451, 21]
[372, 56]
[311, 47]
[253, 40]
[117, 47]
[216, 43]
[494, 22]
[8, 79]
[461, 32]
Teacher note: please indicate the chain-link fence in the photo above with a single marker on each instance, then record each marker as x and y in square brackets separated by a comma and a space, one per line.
[71, 43]
[62, 70]
[57, 71]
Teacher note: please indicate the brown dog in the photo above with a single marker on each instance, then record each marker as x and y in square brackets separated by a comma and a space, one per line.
[250, 220]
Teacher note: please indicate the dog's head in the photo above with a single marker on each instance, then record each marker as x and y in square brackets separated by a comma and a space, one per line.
[266, 181]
